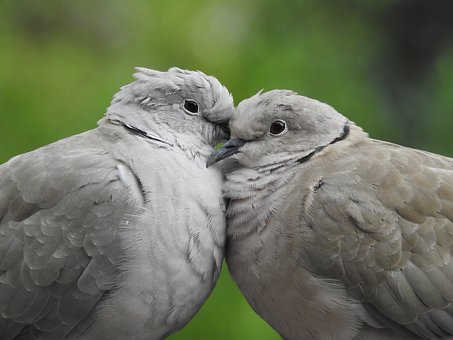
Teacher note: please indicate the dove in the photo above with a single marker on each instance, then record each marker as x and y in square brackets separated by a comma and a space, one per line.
[117, 232]
[332, 234]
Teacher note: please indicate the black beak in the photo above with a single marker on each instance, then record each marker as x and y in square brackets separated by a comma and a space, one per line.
[225, 128]
[228, 149]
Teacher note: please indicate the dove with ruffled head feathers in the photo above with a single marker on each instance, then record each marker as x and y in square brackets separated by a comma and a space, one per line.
[118, 232]
[332, 234]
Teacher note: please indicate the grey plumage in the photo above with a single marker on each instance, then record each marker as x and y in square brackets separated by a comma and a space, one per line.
[331, 234]
[118, 232]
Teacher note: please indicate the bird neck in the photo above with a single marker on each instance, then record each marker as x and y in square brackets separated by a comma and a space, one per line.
[257, 188]
[188, 144]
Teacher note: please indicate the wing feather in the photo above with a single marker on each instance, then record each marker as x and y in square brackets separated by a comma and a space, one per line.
[383, 219]
[60, 207]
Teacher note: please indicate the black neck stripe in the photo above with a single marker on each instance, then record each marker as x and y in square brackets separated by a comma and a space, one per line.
[136, 131]
[341, 137]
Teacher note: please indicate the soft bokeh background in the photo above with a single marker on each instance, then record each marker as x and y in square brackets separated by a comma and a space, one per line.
[387, 65]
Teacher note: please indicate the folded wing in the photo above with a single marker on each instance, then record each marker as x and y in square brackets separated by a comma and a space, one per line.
[60, 208]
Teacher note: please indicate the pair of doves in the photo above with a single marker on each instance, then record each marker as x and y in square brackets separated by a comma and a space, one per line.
[120, 232]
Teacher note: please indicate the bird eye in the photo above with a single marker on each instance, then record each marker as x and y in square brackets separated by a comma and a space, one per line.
[277, 128]
[191, 106]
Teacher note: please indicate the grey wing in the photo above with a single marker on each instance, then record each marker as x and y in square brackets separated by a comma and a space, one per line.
[382, 223]
[59, 212]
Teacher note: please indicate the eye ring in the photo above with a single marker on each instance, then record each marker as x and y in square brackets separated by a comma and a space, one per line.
[278, 128]
[191, 107]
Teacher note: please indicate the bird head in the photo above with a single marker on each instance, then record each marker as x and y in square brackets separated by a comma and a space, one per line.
[280, 126]
[176, 104]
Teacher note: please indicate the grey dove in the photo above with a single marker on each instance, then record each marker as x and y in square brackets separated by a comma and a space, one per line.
[118, 232]
[332, 234]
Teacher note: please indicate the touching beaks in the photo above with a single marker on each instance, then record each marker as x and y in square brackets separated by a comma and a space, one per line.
[228, 149]
[225, 128]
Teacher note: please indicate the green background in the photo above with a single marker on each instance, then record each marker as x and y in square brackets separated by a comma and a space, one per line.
[387, 65]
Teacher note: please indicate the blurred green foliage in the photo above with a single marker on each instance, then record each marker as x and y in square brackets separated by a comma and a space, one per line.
[379, 63]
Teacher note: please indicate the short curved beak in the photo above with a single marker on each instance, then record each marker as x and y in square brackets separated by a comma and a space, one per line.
[228, 149]
[225, 128]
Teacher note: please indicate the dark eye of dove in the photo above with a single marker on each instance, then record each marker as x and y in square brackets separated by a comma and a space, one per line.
[278, 128]
[191, 107]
